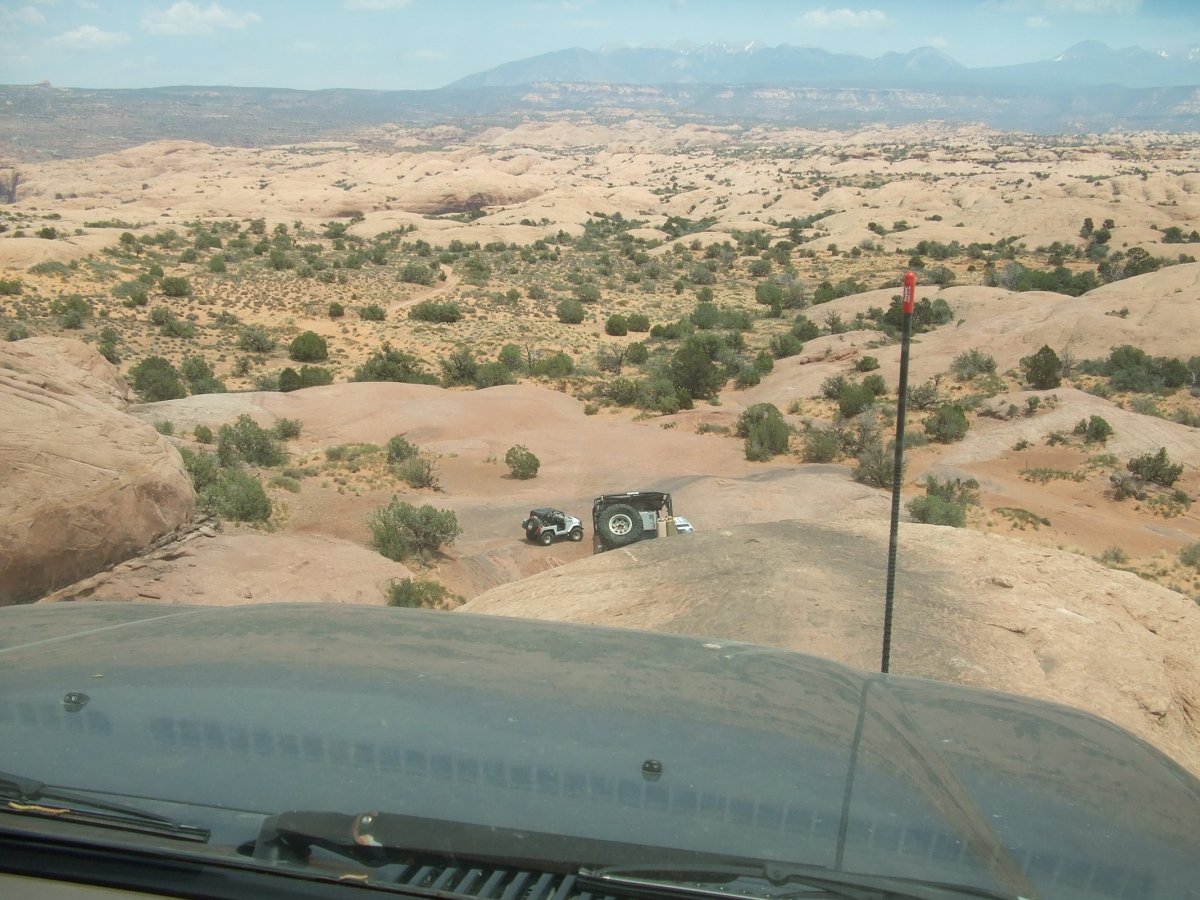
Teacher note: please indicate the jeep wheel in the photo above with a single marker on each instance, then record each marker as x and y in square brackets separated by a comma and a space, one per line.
[576, 534]
[620, 525]
[546, 538]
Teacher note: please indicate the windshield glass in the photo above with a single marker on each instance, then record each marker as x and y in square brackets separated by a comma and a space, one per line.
[866, 335]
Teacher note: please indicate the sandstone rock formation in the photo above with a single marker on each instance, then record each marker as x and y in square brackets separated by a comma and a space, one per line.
[83, 484]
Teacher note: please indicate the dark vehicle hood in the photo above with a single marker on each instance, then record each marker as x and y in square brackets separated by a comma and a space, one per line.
[764, 753]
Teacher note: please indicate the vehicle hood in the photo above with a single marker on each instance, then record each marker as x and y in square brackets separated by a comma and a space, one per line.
[663, 740]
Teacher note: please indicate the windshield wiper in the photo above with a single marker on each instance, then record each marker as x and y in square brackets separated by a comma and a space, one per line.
[30, 797]
[770, 881]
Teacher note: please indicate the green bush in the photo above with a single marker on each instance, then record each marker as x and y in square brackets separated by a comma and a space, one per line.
[431, 311]
[521, 462]
[308, 347]
[556, 365]
[636, 353]
[1095, 430]
[286, 429]
[764, 430]
[156, 379]
[417, 472]
[972, 362]
[202, 468]
[947, 424]
[372, 312]
[1190, 555]
[639, 322]
[246, 440]
[289, 380]
[570, 311]
[176, 286]
[401, 531]
[255, 339]
[876, 465]
[336, 310]
[491, 374]
[387, 364]
[854, 398]
[239, 496]
[399, 449]
[203, 434]
[417, 593]
[417, 273]
[617, 325]
[785, 345]
[1043, 369]
[820, 445]
[1155, 467]
[866, 364]
[945, 502]
[876, 385]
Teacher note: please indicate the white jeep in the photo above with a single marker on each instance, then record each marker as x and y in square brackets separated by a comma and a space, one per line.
[544, 525]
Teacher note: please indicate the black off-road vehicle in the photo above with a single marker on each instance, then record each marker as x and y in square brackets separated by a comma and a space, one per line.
[544, 525]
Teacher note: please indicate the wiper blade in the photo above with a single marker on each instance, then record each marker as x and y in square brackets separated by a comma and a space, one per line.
[770, 881]
[30, 797]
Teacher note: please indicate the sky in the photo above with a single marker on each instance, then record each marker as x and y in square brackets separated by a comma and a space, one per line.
[423, 44]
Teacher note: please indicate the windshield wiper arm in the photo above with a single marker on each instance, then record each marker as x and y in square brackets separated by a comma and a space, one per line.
[774, 880]
[29, 797]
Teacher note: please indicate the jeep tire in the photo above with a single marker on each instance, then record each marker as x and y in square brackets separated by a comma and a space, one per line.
[620, 525]
[546, 538]
[576, 534]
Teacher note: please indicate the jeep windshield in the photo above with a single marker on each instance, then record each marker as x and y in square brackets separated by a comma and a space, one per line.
[577, 450]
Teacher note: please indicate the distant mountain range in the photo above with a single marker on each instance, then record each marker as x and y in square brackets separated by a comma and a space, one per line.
[1090, 64]
[1090, 88]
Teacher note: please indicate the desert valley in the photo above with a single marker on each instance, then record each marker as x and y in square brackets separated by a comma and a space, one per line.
[222, 363]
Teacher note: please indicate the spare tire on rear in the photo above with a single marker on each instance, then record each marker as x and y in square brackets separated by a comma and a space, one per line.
[620, 525]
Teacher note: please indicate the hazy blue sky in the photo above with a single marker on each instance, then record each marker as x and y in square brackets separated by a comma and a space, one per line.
[415, 44]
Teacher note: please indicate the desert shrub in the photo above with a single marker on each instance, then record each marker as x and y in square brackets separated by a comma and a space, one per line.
[246, 440]
[556, 365]
[417, 472]
[490, 374]
[511, 358]
[638, 322]
[10, 287]
[255, 339]
[945, 502]
[372, 312]
[432, 311]
[17, 332]
[866, 364]
[876, 465]
[617, 325]
[165, 426]
[765, 431]
[314, 376]
[947, 424]
[521, 462]
[924, 396]
[1095, 430]
[460, 367]
[399, 449]
[336, 310]
[854, 398]
[286, 429]
[203, 468]
[1155, 467]
[875, 384]
[417, 273]
[175, 286]
[637, 353]
[1190, 555]
[308, 347]
[417, 593]
[832, 386]
[570, 311]
[1043, 369]
[72, 309]
[820, 445]
[203, 434]
[747, 376]
[289, 380]
[239, 496]
[785, 345]
[387, 364]
[401, 531]
[972, 362]
[156, 379]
